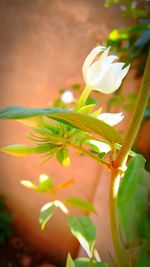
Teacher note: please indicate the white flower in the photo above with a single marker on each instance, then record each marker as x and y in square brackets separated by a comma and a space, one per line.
[67, 97]
[101, 73]
[111, 118]
[100, 146]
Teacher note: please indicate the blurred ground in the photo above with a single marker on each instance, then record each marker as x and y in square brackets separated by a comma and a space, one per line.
[43, 44]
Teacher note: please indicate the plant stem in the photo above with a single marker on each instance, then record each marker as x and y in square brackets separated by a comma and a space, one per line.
[91, 155]
[119, 165]
[82, 100]
[120, 258]
[137, 116]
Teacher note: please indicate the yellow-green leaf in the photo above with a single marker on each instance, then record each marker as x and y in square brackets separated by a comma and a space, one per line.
[18, 150]
[80, 204]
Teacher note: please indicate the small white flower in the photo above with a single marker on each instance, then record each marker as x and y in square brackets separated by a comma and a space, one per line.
[101, 146]
[111, 118]
[67, 97]
[101, 73]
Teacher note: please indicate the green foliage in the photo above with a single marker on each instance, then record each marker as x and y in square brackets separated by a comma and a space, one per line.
[147, 113]
[84, 262]
[132, 42]
[46, 213]
[78, 120]
[63, 157]
[20, 150]
[48, 210]
[89, 124]
[80, 204]
[133, 8]
[70, 262]
[18, 112]
[45, 184]
[133, 206]
[127, 101]
[87, 109]
[84, 230]
[5, 221]
[143, 259]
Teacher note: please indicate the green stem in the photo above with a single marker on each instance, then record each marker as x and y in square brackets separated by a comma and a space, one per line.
[119, 165]
[82, 100]
[91, 155]
[120, 256]
[137, 116]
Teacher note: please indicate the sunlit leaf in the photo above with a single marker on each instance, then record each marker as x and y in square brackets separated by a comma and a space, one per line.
[28, 184]
[45, 183]
[114, 35]
[81, 121]
[60, 205]
[46, 213]
[18, 150]
[84, 230]
[70, 262]
[63, 157]
[90, 124]
[32, 122]
[80, 203]
[87, 109]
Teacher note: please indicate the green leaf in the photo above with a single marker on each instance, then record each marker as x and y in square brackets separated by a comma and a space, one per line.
[133, 208]
[76, 86]
[80, 203]
[70, 262]
[46, 213]
[28, 184]
[18, 150]
[147, 113]
[81, 121]
[87, 109]
[32, 122]
[84, 230]
[98, 146]
[63, 157]
[143, 259]
[45, 183]
[116, 100]
[85, 262]
[18, 112]
[89, 124]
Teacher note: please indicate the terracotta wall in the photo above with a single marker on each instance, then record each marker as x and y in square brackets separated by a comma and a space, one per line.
[43, 45]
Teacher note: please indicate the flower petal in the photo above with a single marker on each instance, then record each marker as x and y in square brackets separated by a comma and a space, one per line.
[125, 71]
[88, 61]
[111, 118]
[98, 69]
[109, 83]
